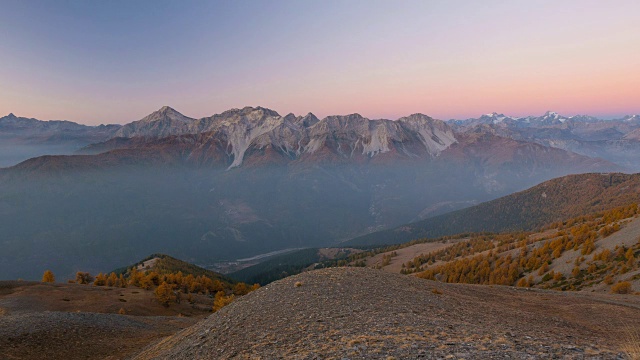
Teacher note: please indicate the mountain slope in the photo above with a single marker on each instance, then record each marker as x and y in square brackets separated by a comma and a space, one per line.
[554, 200]
[371, 314]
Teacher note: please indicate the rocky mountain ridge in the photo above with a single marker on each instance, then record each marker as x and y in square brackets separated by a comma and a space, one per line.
[615, 140]
[256, 128]
[294, 136]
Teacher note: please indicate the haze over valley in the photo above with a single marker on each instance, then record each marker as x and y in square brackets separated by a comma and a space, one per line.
[249, 181]
[305, 180]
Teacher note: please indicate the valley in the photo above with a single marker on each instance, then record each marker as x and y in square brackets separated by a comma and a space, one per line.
[352, 206]
[566, 289]
[319, 180]
[249, 181]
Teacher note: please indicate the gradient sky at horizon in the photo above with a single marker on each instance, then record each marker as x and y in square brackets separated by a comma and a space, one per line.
[116, 61]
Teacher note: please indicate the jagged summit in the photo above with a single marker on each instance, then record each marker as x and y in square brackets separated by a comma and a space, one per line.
[493, 115]
[420, 116]
[166, 112]
[248, 110]
[163, 122]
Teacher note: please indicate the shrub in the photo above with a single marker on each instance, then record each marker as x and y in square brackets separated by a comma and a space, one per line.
[576, 271]
[622, 288]
[83, 278]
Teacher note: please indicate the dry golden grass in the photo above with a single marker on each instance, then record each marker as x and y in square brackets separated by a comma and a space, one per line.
[631, 346]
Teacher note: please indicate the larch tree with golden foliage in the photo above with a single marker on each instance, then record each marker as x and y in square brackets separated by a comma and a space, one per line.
[165, 295]
[48, 277]
[221, 300]
[83, 277]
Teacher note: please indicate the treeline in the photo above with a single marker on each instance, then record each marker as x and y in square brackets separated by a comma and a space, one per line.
[533, 256]
[169, 288]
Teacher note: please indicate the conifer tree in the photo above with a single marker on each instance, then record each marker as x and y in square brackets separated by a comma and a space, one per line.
[164, 294]
[48, 277]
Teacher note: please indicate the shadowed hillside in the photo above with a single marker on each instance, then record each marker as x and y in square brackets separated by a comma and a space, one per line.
[554, 200]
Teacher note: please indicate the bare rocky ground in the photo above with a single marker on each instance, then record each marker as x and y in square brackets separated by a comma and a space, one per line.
[64, 335]
[359, 313]
[70, 321]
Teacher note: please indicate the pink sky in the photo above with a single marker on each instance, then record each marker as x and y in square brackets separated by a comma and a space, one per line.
[116, 62]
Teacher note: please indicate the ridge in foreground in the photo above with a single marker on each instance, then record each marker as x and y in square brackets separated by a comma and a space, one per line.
[369, 314]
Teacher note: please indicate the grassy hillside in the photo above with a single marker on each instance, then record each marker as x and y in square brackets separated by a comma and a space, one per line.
[554, 200]
[596, 252]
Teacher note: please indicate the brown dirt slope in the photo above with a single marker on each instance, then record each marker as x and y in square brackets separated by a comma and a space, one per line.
[26, 296]
[360, 313]
[71, 321]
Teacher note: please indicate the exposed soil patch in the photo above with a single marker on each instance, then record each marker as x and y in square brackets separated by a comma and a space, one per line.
[409, 253]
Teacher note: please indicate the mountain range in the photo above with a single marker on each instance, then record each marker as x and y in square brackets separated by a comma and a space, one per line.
[249, 181]
[614, 140]
[22, 138]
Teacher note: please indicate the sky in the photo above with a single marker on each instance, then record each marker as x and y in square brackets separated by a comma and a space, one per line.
[116, 61]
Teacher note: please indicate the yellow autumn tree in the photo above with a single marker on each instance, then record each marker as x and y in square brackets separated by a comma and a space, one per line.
[83, 277]
[221, 300]
[48, 277]
[165, 295]
[112, 280]
[240, 289]
[101, 280]
[122, 282]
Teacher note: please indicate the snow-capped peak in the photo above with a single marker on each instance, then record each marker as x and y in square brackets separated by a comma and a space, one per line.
[495, 117]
